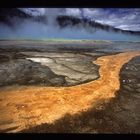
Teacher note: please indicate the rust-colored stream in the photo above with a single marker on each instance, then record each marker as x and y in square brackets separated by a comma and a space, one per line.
[22, 107]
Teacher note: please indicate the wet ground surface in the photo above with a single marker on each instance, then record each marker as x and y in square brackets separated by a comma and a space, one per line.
[120, 115]
[69, 46]
[46, 69]
[67, 64]
[51, 63]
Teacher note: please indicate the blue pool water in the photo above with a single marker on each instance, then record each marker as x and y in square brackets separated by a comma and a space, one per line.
[39, 31]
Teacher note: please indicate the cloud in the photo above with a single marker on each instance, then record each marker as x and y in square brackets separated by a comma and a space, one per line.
[119, 18]
[34, 11]
[73, 12]
[127, 19]
[123, 18]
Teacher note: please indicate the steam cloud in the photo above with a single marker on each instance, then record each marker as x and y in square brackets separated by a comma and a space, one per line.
[30, 29]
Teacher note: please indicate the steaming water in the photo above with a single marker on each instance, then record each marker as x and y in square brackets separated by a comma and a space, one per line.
[34, 30]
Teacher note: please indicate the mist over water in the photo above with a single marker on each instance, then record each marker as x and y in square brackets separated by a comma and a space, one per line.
[34, 30]
[29, 29]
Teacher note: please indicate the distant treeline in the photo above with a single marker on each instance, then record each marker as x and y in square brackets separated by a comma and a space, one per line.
[13, 16]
